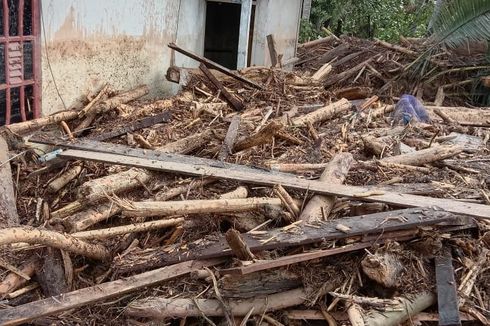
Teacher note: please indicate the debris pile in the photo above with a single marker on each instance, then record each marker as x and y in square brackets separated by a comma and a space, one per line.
[261, 196]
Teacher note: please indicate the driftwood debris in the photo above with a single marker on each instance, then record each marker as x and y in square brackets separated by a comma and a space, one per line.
[27, 312]
[123, 187]
[64, 179]
[264, 136]
[160, 308]
[319, 207]
[232, 100]
[271, 44]
[324, 113]
[8, 205]
[54, 239]
[447, 295]
[165, 208]
[259, 177]
[213, 65]
[280, 238]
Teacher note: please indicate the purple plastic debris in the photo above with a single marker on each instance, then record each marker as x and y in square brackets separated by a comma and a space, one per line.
[409, 109]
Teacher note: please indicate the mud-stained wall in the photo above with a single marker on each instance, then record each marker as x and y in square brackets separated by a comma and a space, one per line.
[122, 42]
[280, 18]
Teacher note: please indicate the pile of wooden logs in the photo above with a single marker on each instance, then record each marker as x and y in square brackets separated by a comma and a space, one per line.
[250, 196]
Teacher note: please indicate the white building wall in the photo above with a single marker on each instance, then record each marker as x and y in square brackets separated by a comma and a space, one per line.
[86, 43]
[121, 42]
[280, 18]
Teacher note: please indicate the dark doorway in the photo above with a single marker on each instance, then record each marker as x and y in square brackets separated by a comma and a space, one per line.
[222, 33]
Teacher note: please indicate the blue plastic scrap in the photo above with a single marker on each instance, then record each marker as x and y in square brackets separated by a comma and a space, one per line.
[409, 109]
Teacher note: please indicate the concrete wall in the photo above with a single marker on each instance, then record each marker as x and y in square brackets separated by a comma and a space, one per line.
[122, 42]
[280, 18]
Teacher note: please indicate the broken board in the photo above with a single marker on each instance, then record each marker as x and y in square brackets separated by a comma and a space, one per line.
[301, 235]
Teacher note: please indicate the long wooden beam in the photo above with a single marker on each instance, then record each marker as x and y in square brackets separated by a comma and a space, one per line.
[54, 305]
[278, 238]
[204, 167]
[214, 65]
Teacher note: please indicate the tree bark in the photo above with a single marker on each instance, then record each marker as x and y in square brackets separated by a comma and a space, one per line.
[8, 205]
[101, 188]
[58, 183]
[319, 207]
[324, 113]
[13, 281]
[409, 306]
[425, 156]
[85, 219]
[145, 209]
[53, 239]
[264, 136]
[160, 308]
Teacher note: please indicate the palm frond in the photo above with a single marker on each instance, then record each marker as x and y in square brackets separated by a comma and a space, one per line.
[460, 21]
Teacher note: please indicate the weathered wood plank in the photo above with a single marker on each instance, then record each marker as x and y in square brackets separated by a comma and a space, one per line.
[292, 259]
[205, 167]
[133, 126]
[271, 43]
[214, 65]
[302, 235]
[234, 102]
[53, 305]
[447, 294]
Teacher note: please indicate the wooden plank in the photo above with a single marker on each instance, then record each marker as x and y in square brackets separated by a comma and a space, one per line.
[244, 36]
[300, 235]
[214, 65]
[272, 50]
[236, 104]
[63, 302]
[230, 138]
[447, 294]
[292, 259]
[133, 126]
[185, 165]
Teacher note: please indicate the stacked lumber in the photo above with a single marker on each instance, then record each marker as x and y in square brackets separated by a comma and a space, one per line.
[254, 196]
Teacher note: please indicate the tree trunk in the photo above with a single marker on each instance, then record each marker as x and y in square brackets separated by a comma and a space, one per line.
[324, 113]
[53, 239]
[165, 208]
[8, 206]
[319, 207]
[425, 156]
[161, 308]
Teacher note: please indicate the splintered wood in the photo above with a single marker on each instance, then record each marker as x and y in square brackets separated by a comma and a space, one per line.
[255, 196]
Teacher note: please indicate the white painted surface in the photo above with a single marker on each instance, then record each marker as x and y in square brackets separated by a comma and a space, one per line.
[280, 18]
[246, 11]
[122, 42]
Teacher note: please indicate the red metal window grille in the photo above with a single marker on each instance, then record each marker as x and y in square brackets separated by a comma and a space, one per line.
[20, 60]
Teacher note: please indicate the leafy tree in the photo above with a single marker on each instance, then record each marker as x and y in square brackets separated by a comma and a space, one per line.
[384, 19]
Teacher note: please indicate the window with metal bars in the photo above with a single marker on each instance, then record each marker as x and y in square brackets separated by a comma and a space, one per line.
[20, 97]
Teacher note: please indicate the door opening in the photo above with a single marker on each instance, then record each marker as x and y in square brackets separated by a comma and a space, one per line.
[222, 33]
[19, 60]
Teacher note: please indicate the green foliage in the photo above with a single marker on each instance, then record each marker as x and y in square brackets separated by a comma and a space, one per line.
[460, 21]
[384, 19]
